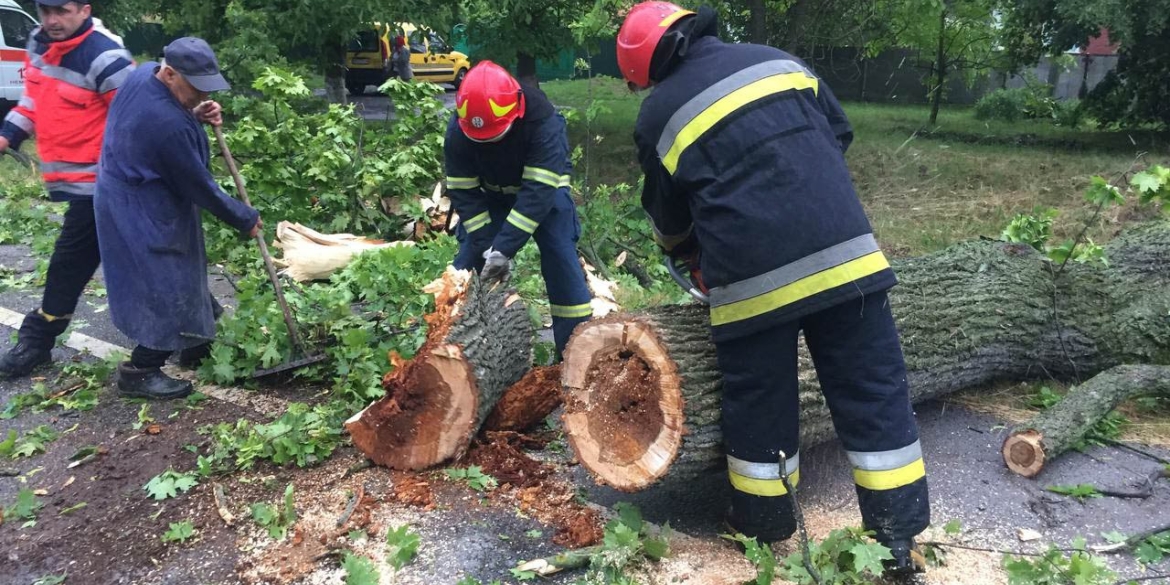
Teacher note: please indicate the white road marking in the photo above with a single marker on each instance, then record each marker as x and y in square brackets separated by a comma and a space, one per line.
[262, 403]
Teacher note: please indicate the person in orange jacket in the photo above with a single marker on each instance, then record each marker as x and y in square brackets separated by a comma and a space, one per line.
[72, 72]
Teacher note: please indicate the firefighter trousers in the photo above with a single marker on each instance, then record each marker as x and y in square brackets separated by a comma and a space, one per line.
[859, 362]
[564, 279]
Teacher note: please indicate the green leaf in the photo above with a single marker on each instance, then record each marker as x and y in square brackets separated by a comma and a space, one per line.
[1079, 491]
[401, 546]
[179, 532]
[1114, 537]
[51, 579]
[25, 508]
[169, 484]
[868, 557]
[522, 575]
[7, 446]
[1146, 182]
[1100, 192]
[359, 570]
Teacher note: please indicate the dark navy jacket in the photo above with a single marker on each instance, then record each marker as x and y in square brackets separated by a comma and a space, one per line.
[523, 172]
[153, 180]
[743, 151]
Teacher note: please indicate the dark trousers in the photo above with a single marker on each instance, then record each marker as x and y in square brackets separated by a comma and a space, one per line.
[145, 358]
[564, 279]
[859, 363]
[74, 261]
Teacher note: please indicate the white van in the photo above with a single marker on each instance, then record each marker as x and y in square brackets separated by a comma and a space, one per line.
[15, 27]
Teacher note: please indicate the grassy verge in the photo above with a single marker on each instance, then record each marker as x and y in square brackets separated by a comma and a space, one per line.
[923, 189]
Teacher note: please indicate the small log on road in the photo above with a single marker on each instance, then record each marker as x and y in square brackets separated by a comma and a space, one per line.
[1056, 430]
[479, 343]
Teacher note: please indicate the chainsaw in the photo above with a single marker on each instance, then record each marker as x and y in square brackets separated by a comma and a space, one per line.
[689, 283]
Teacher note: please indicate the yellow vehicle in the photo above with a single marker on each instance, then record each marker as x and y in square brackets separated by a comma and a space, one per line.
[368, 57]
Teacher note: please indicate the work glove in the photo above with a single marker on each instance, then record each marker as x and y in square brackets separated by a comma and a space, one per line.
[496, 267]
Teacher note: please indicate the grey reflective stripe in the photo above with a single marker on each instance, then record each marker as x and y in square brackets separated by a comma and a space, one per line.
[116, 80]
[669, 241]
[106, 59]
[68, 167]
[510, 190]
[721, 89]
[886, 460]
[27, 103]
[70, 188]
[762, 470]
[792, 272]
[20, 120]
[68, 76]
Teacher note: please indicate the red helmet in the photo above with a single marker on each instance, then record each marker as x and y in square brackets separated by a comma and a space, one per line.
[488, 101]
[644, 27]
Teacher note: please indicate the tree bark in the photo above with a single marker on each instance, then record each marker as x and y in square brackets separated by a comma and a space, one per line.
[479, 343]
[1058, 429]
[335, 75]
[526, 69]
[644, 388]
[940, 68]
[757, 22]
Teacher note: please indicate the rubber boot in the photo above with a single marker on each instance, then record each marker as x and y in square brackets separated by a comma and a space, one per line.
[38, 333]
[766, 518]
[907, 562]
[192, 357]
[150, 383]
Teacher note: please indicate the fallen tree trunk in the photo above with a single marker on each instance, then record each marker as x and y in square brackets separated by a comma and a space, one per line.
[1062, 426]
[479, 342]
[644, 388]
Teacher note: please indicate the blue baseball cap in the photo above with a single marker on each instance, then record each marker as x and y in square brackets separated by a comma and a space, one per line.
[195, 60]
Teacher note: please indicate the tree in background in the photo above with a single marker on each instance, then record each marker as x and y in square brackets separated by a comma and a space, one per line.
[518, 32]
[251, 34]
[1137, 92]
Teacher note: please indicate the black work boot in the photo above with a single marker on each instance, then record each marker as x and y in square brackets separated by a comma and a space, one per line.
[907, 562]
[38, 332]
[767, 518]
[22, 359]
[150, 383]
[191, 357]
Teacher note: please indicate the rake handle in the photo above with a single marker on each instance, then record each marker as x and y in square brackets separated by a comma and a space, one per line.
[288, 319]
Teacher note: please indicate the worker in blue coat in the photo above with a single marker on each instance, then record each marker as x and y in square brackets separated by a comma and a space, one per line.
[153, 182]
[507, 162]
[743, 147]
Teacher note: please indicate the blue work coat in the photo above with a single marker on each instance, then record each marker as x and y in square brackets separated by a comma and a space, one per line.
[153, 179]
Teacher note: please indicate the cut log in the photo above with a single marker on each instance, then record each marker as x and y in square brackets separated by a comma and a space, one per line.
[527, 402]
[479, 343]
[1061, 426]
[644, 388]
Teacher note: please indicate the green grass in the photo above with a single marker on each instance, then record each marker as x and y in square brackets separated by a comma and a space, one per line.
[923, 188]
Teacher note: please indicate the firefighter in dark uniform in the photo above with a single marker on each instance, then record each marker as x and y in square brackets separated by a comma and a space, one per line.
[745, 177]
[507, 164]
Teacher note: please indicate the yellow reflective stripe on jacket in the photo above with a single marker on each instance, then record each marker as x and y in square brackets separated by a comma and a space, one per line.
[545, 176]
[477, 222]
[571, 311]
[886, 470]
[762, 479]
[829, 268]
[521, 221]
[703, 111]
[762, 487]
[890, 478]
[462, 182]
